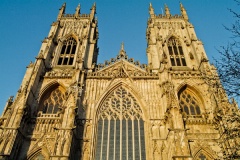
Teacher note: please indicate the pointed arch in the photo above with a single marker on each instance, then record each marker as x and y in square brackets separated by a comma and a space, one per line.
[203, 153]
[119, 125]
[175, 51]
[135, 93]
[68, 49]
[190, 101]
[173, 35]
[69, 35]
[41, 153]
[49, 86]
[51, 98]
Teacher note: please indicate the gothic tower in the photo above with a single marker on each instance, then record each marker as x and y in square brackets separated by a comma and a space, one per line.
[41, 120]
[70, 107]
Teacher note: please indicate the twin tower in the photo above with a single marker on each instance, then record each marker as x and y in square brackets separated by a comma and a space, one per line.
[71, 107]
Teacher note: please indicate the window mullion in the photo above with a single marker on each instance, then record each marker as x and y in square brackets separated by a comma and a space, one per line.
[133, 138]
[108, 138]
[102, 140]
[114, 150]
[127, 138]
[139, 141]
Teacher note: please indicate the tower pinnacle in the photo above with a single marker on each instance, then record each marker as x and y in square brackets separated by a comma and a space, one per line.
[93, 10]
[77, 10]
[122, 52]
[151, 10]
[183, 12]
[167, 11]
[61, 11]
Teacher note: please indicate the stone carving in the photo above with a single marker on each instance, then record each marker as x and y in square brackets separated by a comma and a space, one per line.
[65, 73]
[120, 67]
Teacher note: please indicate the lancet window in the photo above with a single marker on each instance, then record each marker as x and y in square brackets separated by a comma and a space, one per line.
[67, 53]
[176, 52]
[52, 102]
[120, 130]
[189, 103]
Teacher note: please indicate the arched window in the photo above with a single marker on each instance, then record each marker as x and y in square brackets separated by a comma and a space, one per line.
[176, 52]
[189, 103]
[52, 101]
[202, 155]
[39, 156]
[67, 53]
[120, 127]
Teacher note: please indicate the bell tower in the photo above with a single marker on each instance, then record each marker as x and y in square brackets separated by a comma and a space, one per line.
[41, 120]
[172, 41]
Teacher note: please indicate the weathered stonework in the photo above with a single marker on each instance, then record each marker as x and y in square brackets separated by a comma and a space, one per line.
[70, 107]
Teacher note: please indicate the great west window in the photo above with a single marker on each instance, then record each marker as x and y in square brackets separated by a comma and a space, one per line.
[176, 52]
[120, 134]
[67, 53]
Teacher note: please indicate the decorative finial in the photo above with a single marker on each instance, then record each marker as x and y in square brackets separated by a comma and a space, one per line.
[77, 10]
[151, 10]
[167, 11]
[93, 10]
[61, 11]
[183, 12]
[122, 52]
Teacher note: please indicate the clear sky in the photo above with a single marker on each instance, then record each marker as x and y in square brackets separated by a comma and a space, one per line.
[25, 23]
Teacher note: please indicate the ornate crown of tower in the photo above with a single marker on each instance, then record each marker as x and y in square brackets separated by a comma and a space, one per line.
[70, 107]
[171, 40]
[48, 99]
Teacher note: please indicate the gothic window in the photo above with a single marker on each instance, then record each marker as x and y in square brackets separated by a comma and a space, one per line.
[52, 102]
[176, 52]
[39, 156]
[189, 103]
[67, 53]
[120, 127]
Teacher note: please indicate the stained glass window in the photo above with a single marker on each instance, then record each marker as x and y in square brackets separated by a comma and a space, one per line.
[176, 52]
[39, 156]
[67, 53]
[52, 102]
[120, 132]
[189, 103]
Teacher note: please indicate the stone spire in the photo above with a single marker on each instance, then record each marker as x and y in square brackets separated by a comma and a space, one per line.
[77, 10]
[183, 12]
[61, 11]
[167, 11]
[122, 52]
[151, 10]
[93, 11]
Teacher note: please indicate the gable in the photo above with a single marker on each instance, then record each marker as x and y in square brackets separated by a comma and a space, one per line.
[122, 68]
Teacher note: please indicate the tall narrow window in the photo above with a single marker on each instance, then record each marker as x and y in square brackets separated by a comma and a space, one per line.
[120, 132]
[52, 102]
[189, 103]
[176, 52]
[67, 53]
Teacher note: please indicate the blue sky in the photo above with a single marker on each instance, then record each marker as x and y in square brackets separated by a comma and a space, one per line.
[25, 23]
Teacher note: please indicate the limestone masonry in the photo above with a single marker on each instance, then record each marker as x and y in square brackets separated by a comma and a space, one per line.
[71, 107]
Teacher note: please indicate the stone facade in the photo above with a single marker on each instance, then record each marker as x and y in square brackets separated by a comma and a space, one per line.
[70, 107]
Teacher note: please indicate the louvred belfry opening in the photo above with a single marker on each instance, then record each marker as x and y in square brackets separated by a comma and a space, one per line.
[67, 52]
[120, 131]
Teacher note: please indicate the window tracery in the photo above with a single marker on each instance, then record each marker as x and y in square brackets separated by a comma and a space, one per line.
[67, 53]
[189, 103]
[39, 156]
[120, 128]
[176, 52]
[52, 102]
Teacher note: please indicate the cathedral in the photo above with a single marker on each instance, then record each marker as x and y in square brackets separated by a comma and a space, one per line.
[71, 107]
